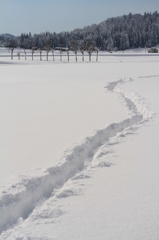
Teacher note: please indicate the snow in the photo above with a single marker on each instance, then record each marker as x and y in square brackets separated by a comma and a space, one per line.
[79, 149]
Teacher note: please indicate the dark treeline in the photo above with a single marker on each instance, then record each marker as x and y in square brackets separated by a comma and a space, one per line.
[119, 33]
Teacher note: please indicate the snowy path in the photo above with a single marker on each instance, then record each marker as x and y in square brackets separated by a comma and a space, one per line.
[20, 205]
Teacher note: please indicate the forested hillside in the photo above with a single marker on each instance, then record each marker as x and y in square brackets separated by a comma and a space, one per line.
[119, 33]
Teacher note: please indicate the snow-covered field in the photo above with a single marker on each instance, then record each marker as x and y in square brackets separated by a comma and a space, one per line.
[79, 148]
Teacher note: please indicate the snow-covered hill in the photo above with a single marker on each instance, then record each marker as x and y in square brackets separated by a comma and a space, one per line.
[7, 35]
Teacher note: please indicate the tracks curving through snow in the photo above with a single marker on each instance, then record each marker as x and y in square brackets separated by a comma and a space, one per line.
[23, 202]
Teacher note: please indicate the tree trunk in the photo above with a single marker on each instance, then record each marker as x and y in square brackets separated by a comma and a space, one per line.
[76, 57]
[32, 56]
[12, 54]
[53, 55]
[68, 56]
[97, 57]
[89, 57]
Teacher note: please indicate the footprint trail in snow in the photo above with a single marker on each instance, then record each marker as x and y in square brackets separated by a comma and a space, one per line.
[26, 195]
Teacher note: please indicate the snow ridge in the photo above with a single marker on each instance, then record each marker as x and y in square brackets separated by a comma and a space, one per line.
[150, 76]
[33, 190]
[134, 101]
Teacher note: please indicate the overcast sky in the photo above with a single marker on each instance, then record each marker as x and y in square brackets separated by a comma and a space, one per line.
[35, 16]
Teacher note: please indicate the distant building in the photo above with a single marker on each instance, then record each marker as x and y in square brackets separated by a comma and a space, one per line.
[61, 49]
[153, 50]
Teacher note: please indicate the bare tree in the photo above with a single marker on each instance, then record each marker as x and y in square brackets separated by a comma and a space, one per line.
[32, 51]
[97, 50]
[25, 53]
[12, 46]
[47, 49]
[60, 49]
[82, 49]
[68, 54]
[40, 50]
[18, 54]
[12, 49]
[25, 47]
[75, 47]
[90, 48]
[52, 50]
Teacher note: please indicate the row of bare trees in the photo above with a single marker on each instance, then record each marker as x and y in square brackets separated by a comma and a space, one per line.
[75, 46]
[85, 46]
